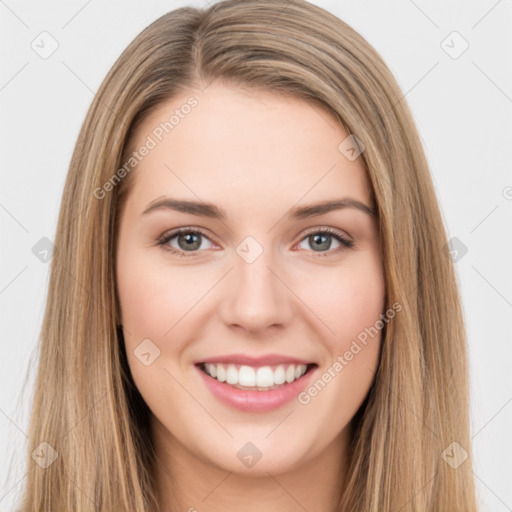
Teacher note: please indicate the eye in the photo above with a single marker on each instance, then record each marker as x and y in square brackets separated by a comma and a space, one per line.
[321, 239]
[188, 240]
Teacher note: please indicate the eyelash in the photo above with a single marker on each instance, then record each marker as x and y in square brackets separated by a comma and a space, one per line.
[166, 238]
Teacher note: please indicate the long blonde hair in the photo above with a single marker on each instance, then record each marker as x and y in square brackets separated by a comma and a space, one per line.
[86, 406]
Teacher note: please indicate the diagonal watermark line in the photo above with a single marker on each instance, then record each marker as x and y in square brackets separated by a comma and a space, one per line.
[76, 14]
[85, 289]
[485, 15]
[502, 296]
[14, 218]
[395, 191]
[279, 423]
[408, 91]
[424, 14]
[13, 279]
[84, 493]
[312, 187]
[218, 485]
[492, 81]
[16, 485]
[14, 76]
[416, 494]
[286, 491]
[399, 100]
[88, 292]
[406, 406]
[105, 105]
[501, 409]
[279, 15]
[192, 192]
[301, 300]
[13, 423]
[508, 508]
[199, 403]
[78, 77]
[484, 218]
[13, 13]
[198, 301]
[321, 115]
[208, 84]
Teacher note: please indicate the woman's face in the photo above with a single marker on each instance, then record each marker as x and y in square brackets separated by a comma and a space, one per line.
[254, 285]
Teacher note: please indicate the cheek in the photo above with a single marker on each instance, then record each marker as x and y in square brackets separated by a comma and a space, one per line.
[348, 300]
[155, 299]
[155, 296]
[352, 305]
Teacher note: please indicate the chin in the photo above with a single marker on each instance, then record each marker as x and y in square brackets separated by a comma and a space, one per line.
[258, 457]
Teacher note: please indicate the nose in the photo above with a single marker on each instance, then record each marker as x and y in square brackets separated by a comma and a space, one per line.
[256, 295]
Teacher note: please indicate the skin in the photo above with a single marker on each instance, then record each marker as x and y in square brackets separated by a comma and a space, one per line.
[256, 155]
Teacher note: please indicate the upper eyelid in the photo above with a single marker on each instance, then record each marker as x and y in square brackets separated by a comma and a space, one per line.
[169, 235]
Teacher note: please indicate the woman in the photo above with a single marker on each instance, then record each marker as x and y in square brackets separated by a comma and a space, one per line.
[251, 305]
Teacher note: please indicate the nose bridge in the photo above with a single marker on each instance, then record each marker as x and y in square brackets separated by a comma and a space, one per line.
[258, 299]
[255, 280]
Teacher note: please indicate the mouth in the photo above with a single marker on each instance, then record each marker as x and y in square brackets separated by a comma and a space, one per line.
[255, 384]
[256, 378]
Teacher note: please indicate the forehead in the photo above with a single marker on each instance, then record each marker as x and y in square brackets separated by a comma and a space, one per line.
[245, 147]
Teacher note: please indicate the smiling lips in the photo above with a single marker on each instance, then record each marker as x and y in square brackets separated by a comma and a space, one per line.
[258, 373]
[263, 378]
[254, 383]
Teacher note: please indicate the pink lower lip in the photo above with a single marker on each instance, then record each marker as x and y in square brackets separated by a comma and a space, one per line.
[255, 401]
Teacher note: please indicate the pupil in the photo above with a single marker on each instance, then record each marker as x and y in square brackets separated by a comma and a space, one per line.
[317, 241]
[190, 240]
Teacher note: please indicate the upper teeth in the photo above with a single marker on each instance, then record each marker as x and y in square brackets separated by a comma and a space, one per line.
[263, 377]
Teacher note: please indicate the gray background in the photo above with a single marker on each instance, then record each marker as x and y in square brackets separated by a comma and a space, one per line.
[463, 110]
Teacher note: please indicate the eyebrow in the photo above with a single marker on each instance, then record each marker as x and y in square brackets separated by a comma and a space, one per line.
[202, 209]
